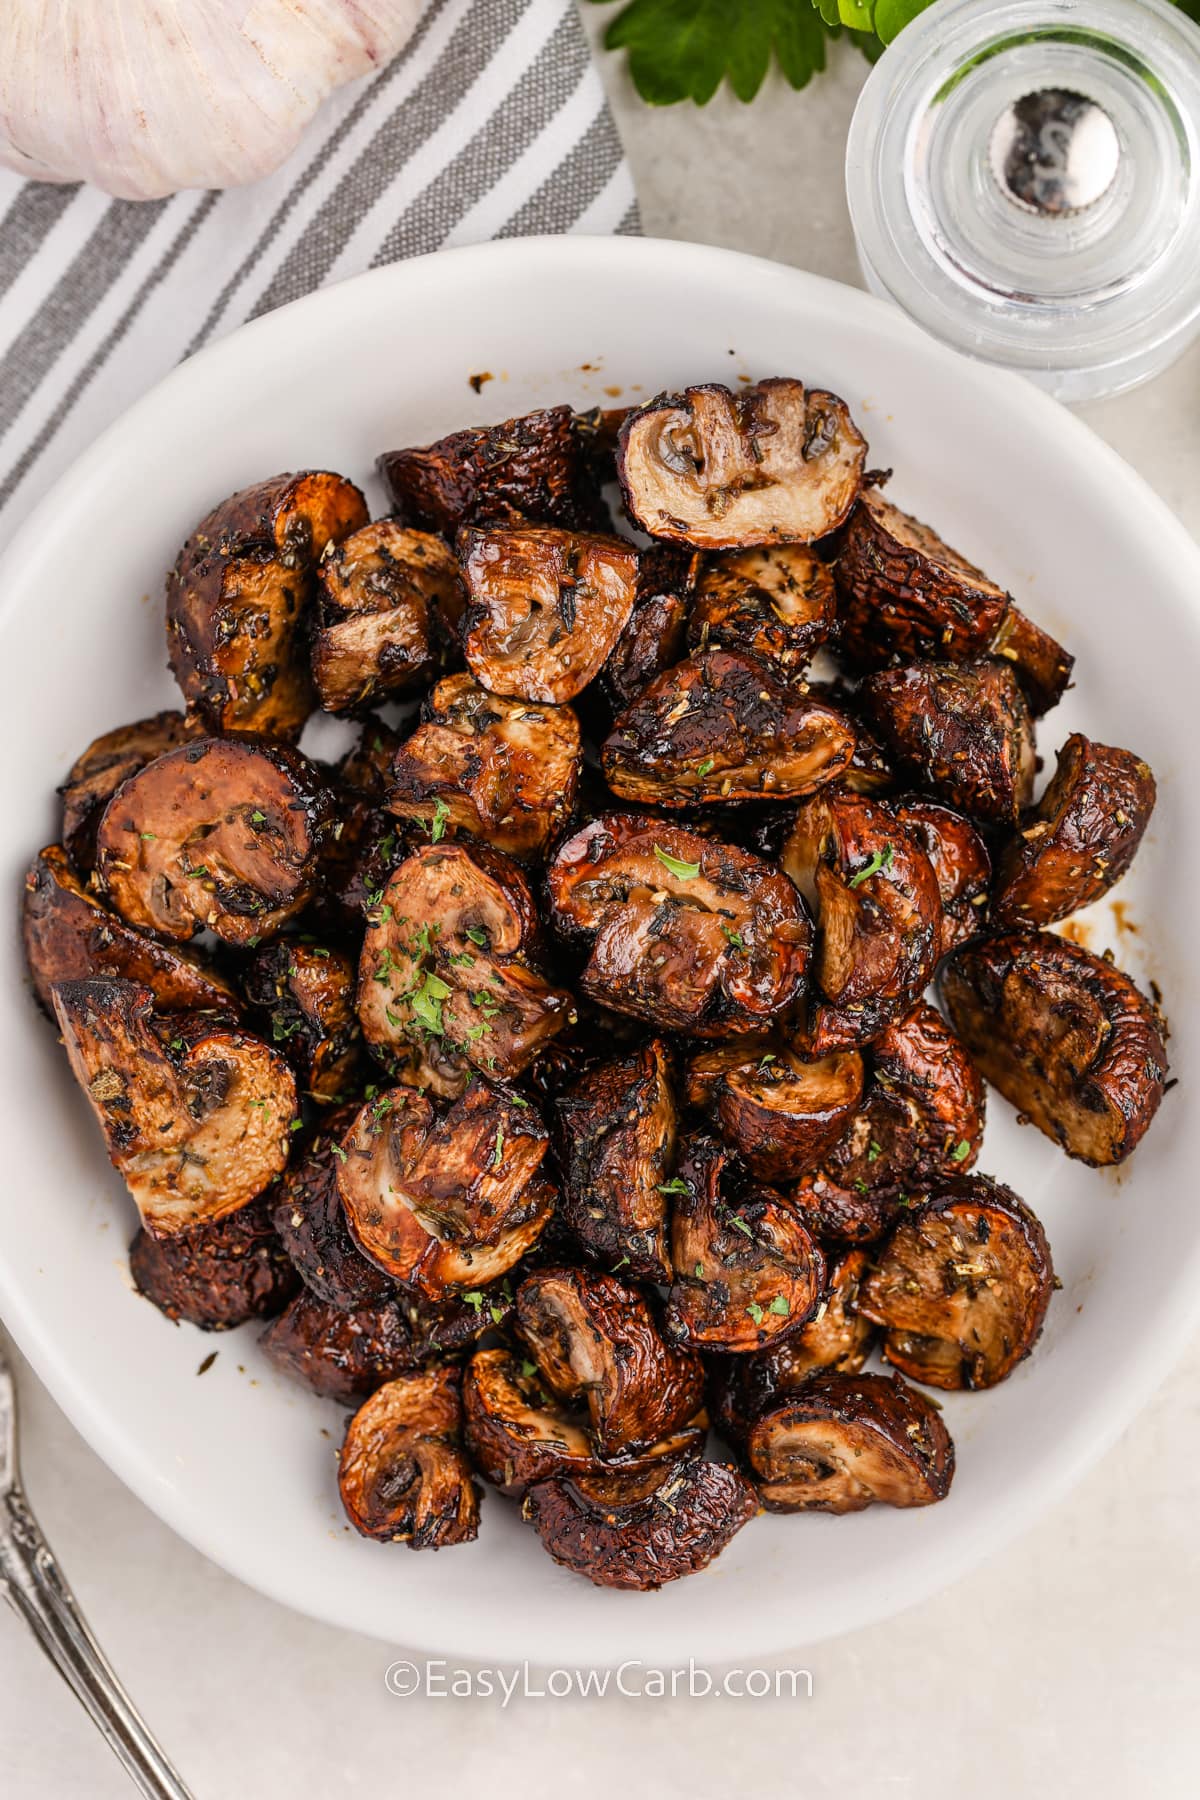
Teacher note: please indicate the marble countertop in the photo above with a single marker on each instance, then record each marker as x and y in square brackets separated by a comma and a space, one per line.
[1065, 1665]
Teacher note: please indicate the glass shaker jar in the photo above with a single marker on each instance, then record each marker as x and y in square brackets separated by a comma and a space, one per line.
[1024, 180]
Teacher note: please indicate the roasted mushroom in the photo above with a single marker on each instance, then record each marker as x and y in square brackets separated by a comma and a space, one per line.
[1041, 665]
[782, 1114]
[366, 768]
[311, 1222]
[223, 833]
[443, 966]
[721, 727]
[1065, 1036]
[345, 1356]
[924, 1111]
[545, 607]
[111, 759]
[705, 1069]
[196, 1113]
[69, 936]
[615, 1138]
[903, 594]
[1080, 838]
[654, 635]
[305, 995]
[447, 1202]
[875, 898]
[691, 934]
[773, 601]
[836, 1341]
[962, 729]
[390, 602]
[961, 1286]
[519, 1433]
[216, 1275]
[960, 861]
[535, 467]
[402, 1475]
[746, 1269]
[609, 1528]
[843, 1442]
[239, 595]
[595, 1339]
[502, 770]
[773, 463]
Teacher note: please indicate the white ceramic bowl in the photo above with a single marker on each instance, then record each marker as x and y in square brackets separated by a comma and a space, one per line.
[241, 1462]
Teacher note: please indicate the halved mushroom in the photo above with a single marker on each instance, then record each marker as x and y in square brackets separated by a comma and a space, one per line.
[836, 1341]
[782, 1114]
[904, 594]
[216, 1275]
[390, 602]
[345, 1356]
[853, 1212]
[1067, 1038]
[69, 936]
[239, 595]
[691, 934]
[445, 1202]
[402, 1475]
[963, 730]
[924, 1112]
[875, 897]
[502, 770]
[654, 635]
[721, 727]
[773, 463]
[609, 1528]
[773, 601]
[746, 1269]
[443, 965]
[1040, 664]
[306, 995]
[848, 1441]
[223, 833]
[615, 1139]
[518, 1433]
[545, 609]
[1080, 838]
[108, 761]
[961, 1286]
[595, 1339]
[196, 1113]
[960, 861]
[311, 1222]
[535, 467]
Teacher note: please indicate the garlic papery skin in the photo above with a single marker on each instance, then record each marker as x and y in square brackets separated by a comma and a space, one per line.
[145, 97]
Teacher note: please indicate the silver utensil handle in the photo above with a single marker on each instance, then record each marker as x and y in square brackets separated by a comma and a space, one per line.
[34, 1587]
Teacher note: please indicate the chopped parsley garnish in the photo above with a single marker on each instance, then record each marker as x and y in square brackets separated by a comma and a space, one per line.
[498, 1152]
[686, 871]
[674, 1186]
[779, 1306]
[426, 1003]
[477, 935]
[474, 1298]
[704, 767]
[882, 860]
[437, 825]
[755, 1311]
[257, 817]
[961, 1150]
[733, 937]
[874, 1151]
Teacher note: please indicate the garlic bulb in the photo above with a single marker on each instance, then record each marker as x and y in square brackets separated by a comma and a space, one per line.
[143, 97]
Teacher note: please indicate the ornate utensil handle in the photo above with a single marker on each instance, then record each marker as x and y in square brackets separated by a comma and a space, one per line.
[33, 1585]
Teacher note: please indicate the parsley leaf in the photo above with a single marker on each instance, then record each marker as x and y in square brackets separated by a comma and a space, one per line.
[684, 49]
[961, 1150]
[426, 1003]
[437, 825]
[882, 860]
[674, 1186]
[686, 871]
[779, 1306]
[755, 1311]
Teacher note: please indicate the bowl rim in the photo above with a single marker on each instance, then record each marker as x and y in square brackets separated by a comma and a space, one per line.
[1130, 1381]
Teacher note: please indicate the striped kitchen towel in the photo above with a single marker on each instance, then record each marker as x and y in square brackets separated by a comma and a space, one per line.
[491, 123]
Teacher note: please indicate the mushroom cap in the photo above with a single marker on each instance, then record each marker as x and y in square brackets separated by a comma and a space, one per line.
[401, 1474]
[844, 1442]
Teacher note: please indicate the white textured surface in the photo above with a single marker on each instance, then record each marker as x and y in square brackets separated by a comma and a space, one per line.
[1065, 1666]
